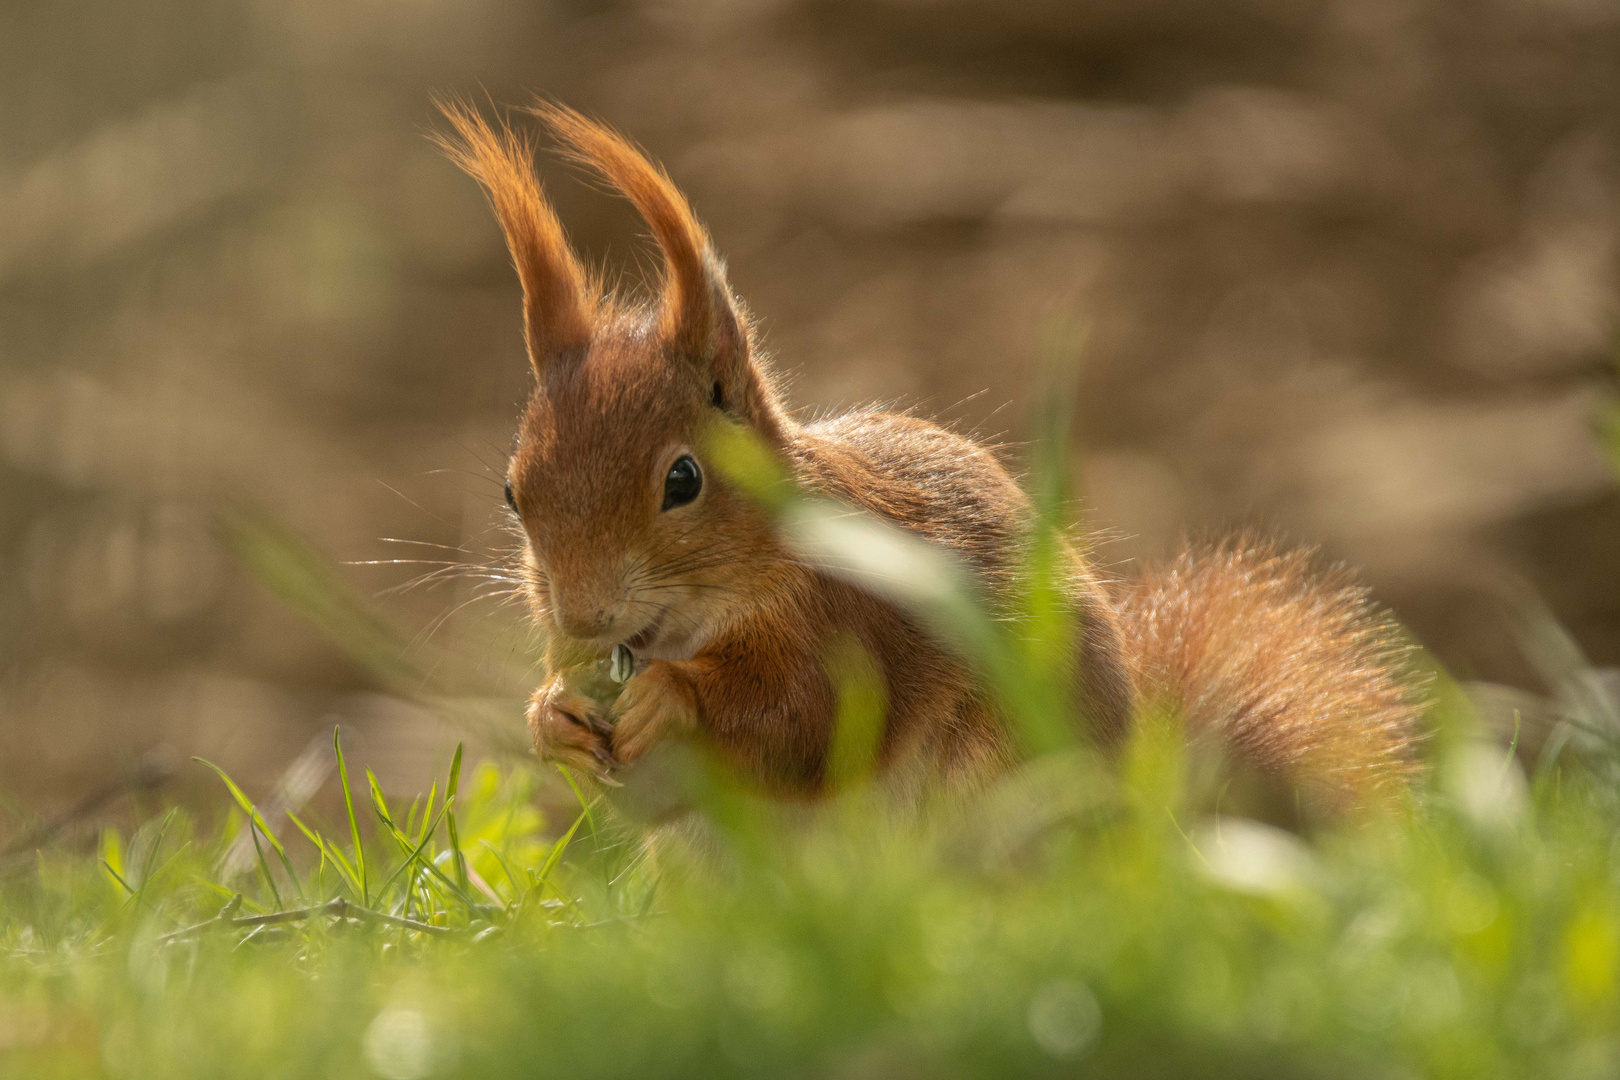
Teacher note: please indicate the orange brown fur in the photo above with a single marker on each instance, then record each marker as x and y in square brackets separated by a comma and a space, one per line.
[731, 630]
[558, 312]
[1290, 670]
[694, 287]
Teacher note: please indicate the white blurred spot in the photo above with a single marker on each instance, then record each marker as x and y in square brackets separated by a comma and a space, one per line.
[1487, 784]
[1249, 857]
[399, 1044]
[1064, 1018]
[878, 556]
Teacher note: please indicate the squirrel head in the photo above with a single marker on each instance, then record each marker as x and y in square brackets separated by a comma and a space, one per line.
[632, 536]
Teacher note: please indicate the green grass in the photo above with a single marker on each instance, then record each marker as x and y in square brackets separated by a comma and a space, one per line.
[1075, 918]
[1069, 920]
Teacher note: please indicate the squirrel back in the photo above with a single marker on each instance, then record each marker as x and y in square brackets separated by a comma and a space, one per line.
[639, 559]
[954, 492]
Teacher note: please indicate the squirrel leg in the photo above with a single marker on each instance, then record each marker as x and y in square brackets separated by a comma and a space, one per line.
[567, 728]
[657, 703]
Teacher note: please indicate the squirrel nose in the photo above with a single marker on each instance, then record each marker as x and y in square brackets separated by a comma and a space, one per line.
[588, 605]
[584, 624]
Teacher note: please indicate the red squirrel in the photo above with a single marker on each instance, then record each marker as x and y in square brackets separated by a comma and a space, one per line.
[637, 547]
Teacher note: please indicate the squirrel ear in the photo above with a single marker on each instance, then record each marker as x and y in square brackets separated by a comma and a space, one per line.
[558, 310]
[698, 314]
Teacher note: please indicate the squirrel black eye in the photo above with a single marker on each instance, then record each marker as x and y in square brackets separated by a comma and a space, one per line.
[509, 500]
[683, 483]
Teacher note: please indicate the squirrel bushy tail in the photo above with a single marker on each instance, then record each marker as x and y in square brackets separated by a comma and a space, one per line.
[1290, 670]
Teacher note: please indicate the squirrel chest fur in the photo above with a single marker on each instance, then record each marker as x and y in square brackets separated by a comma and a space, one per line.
[633, 540]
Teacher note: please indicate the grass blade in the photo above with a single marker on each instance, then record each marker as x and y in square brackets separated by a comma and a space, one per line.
[264, 866]
[557, 850]
[354, 823]
[378, 803]
[117, 877]
[256, 819]
[584, 803]
[500, 860]
[412, 849]
[329, 853]
[413, 855]
[450, 818]
[244, 802]
[427, 811]
[427, 864]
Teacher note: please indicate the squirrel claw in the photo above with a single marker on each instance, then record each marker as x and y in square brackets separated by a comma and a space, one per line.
[567, 728]
[654, 704]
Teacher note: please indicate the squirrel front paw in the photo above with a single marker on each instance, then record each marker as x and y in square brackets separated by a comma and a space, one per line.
[655, 704]
[569, 728]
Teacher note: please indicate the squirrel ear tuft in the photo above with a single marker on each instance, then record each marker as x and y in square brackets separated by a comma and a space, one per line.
[559, 313]
[699, 315]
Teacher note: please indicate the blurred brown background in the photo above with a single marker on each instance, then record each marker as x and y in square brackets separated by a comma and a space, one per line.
[1349, 269]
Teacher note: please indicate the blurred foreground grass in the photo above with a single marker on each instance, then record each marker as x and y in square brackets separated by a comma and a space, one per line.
[1064, 922]
[1071, 919]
